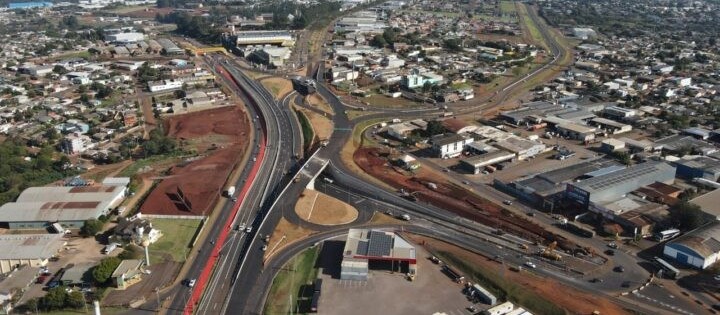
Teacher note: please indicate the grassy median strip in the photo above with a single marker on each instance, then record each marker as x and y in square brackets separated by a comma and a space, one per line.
[293, 284]
[307, 129]
[175, 241]
[502, 288]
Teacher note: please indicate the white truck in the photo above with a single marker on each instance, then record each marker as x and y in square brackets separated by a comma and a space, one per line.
[405, 217]
[230, 191]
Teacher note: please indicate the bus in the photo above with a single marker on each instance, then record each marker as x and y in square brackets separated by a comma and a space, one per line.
[666, 235]
[666, 269]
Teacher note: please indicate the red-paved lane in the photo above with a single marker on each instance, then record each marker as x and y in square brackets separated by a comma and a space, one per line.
[204, 277]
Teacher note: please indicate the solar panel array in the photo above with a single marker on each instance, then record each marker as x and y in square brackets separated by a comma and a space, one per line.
[615, 178]
[362, 248]
[380, 244]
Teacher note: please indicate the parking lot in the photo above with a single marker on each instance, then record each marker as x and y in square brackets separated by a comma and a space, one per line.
[388, 293]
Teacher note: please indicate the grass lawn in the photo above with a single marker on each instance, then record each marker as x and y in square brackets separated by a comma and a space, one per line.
[502, 288]
[176, 238]
[151, 161]
[307, 129]
[297, 283]
[379, 100]
[507, 7]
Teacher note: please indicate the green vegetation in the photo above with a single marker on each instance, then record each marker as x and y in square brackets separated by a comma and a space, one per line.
[307, 130]
[687, 216]
[102, 272]
[507, 7]
[295, 278]
[20, 169]
[533, 30]
[357, 135]
[56, 299]
[146, 162]
[91, 227]
[158, 144]
[176, 239]
[502, 288]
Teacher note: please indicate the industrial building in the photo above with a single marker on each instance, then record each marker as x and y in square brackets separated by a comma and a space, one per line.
[302, 85]
[169, 47]
[28, 249]
[270, 56]
[365, 247]
[476, 163]
[614, 184]
[280, 38]
[29, 5]
[709, 203]
[39, 207]
[698, 167]
[125, 37]
[698, 248]
[127, 273]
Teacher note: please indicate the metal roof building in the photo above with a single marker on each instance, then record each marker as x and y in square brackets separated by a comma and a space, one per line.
[364, 245]
[613, 185]
[28, 249]
[698, 248]
[38, 207]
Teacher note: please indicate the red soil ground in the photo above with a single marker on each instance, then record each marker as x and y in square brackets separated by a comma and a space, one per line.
[453, 198]
[201, 180]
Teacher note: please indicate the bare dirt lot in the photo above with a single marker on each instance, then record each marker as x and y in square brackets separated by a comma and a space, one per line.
[570, 299]
[390, 293]
[277, 86]
[376, 162]
[285, 233]
[319, 208]
[220, 136]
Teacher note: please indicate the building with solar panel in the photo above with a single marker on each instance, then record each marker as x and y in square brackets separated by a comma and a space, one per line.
[612, 186]
[366, 249]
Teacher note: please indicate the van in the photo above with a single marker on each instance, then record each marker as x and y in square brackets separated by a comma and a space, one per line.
[328, 180]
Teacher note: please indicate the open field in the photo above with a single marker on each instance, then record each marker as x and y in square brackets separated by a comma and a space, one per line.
[289, 281]
[308, 133]
[382, 101]
[192, 187]
[318, 102]
[285, 233]
[319, 208]
[532, 33]
[175, 241]
[537, 294]
[277, 86]
[507, 7]
[147, 12]
[127, 9]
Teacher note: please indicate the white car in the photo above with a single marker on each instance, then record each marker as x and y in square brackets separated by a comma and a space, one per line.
[191, 283]
[530, 264]
[264, 248]
[717, 277]
[248, 229]
[507, 202]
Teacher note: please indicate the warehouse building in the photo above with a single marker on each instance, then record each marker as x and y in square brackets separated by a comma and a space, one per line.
[475, 164]
[39, 207]
[698, 248]
[613, 185]
[169, 47]
[28, 249]
[125, 37]
[366, 248]
[709, 203]
[698, 167]
[449, 145]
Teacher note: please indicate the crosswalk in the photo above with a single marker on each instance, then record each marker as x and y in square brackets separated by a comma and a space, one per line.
[663, 304]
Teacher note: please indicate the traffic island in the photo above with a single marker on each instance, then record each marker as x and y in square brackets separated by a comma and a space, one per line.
[316, 207]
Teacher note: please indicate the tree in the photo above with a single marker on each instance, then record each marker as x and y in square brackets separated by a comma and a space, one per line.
[435, 127]
[91, 227]
[54, 299]
[687, 216]
[378, 41]
[389, 35]
[75, 299]
[59, 70]
[180, 94]
[102, 272]
[452, 44]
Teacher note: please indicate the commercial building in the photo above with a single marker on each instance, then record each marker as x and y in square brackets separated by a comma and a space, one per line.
[39, 207]
[458, 126]
[521, 147]
[611, 126]
[449, 145]
[698, 248]
[364, 246]
[576, 131]
[28, 249]
[74, 143]
[126, 273]
[583, 32]
[612, 186]
[280, 38]
[302, 85]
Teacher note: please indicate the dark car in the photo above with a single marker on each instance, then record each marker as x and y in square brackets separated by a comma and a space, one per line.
[625, 284]
[610, 252]
[596, 280]
[619, 269]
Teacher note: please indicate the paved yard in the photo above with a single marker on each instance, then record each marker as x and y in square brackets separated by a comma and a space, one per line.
[386, 293]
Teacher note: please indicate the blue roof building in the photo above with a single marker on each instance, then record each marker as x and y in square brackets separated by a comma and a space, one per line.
[29, 5]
